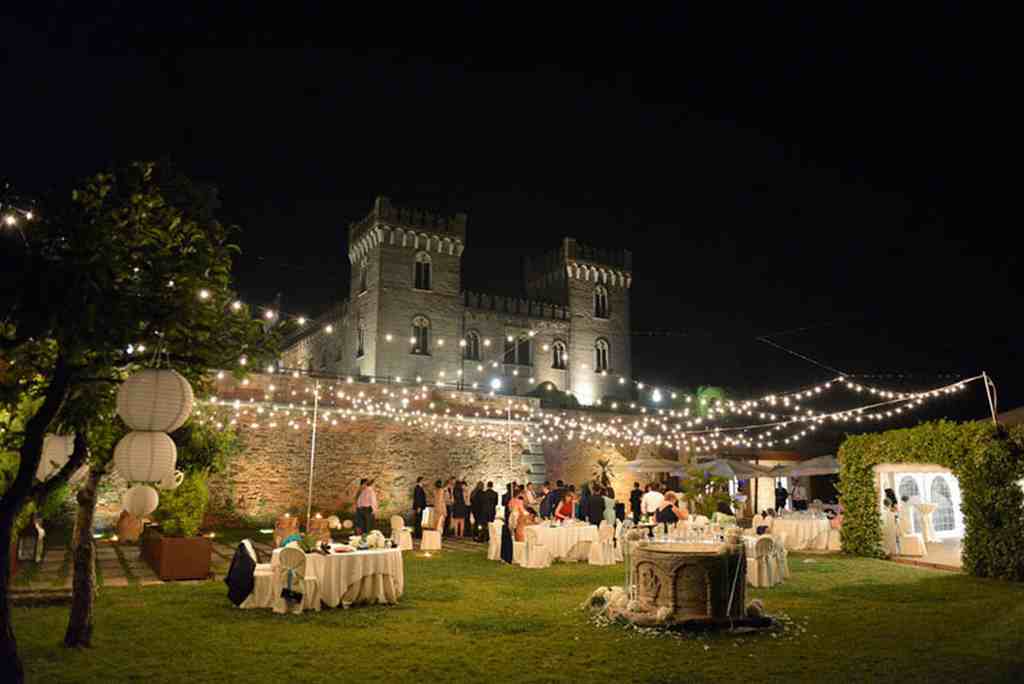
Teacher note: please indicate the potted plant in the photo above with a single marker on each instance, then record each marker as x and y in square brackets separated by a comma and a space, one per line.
[177, 551]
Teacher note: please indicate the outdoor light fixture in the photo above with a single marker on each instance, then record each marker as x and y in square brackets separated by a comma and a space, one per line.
[495, 383]
[329, 329]
[302, 320]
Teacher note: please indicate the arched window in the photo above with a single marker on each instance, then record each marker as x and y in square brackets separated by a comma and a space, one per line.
[558, 355]
[517, 350]
[908, 487]
[601, 355]
[600, 302]
[422, 276]
[360, 337]
[362, 274]
[471, 352]
[943, 518]
[420, 335]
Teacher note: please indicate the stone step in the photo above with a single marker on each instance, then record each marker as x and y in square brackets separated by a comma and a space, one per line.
[529, 459]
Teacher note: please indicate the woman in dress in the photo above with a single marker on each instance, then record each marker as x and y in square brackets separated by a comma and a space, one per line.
[459, 509]
[476, 508]
[564, 510]
[440, 507]
[609, 506]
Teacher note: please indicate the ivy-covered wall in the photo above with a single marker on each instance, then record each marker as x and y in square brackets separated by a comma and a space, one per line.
[987, 460]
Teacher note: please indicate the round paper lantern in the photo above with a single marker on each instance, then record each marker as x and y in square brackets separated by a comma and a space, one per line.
[146, 457]
[155, 400]
[57, 449]
[140, 500]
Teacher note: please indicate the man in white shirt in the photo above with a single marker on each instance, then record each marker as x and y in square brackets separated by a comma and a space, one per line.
[799, 496]
[651, 501]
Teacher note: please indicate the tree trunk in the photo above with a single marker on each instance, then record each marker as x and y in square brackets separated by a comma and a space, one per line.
[11, 669]
[83, 592]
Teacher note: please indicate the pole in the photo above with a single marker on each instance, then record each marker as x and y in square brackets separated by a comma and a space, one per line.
[988, 395]
[509, 430]
[312, 453]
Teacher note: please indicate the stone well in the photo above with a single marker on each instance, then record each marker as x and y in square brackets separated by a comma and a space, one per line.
[692, 581]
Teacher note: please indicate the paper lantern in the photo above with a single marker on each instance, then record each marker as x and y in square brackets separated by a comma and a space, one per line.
[155, 401]
[140, 500]
[146, 457]
[57, 449]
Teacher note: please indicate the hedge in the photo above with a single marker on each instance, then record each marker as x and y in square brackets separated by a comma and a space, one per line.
[987, 460]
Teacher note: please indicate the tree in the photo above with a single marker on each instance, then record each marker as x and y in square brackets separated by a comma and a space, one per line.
[128, 270]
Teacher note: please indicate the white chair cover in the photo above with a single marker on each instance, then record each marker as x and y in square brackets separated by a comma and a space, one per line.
[518, 552]
[292, 566]
[431, 540]
[910, 543]
[834, 540]
[781, 554]
[400, 534]
[700, 521]
[602, 552]
[760, 572]
[535, 554]
[494, 541]
[263, 581]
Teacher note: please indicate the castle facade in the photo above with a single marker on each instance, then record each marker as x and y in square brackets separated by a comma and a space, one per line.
[408, 318]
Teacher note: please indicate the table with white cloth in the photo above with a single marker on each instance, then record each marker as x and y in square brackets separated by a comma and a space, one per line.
[371, 576]
[800, 534]
[561, 542]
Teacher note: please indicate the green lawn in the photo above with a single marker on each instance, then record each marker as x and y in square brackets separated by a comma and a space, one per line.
[464, 618]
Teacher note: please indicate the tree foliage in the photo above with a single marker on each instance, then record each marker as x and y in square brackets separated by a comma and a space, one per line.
[987, 460]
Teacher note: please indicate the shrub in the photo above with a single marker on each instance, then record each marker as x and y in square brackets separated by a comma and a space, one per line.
[987, 460]
[181, 510]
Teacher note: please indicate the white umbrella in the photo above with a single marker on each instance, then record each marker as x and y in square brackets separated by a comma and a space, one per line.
[654, 465]
[724, 467]
[822, 465]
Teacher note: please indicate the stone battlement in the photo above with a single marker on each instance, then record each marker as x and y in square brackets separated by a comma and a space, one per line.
[383, 212]
[515, 305]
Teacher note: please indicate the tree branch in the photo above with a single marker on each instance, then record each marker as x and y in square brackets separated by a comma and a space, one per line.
[43, 489]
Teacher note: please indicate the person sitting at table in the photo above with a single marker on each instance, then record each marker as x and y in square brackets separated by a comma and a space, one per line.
[595, 506]
[564, 510]
[669, 513]
[440, 507]
[527, 517]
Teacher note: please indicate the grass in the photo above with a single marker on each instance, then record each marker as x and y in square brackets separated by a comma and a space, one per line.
[464, 618]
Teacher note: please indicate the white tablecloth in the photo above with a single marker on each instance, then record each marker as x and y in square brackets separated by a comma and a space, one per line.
[560, 541]
[376, 576]
[800, 534]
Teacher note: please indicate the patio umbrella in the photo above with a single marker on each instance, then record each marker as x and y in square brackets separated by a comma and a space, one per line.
[655, 465]
[822, 465]
[724, 467]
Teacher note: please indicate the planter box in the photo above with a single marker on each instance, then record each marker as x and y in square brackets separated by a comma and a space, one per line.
[177, 558]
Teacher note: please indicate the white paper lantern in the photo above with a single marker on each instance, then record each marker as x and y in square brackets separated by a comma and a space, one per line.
[146, 457]
[57, 449]
[155, 400]
[140, 500]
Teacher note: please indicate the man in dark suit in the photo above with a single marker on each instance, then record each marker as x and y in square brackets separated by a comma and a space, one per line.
[489, 503]
[595, 506]
[634, 501]
[419, 502]
[547, 509]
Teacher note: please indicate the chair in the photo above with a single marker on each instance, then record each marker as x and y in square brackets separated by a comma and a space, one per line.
[910, 543]
[534, 554]
[816, 506]
[262, 577]
[781, 555]
[723, 519]
[400, 534]
[293, 574]
[700, 521]
[620, 539]
[759, 563]
[603, 551]
[494, 540]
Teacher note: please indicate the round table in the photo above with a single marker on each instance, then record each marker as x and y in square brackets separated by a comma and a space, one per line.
[372, 576]
[799, 534]
[560, 541]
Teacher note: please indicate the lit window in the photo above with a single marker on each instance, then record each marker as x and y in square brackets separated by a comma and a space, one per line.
[601, 356]
[472, 348]
[421, 335]
[422, 279]
[517, 351]
[558, 355]
[600, 302]
[908, 488]
[943, 518]
[360, 336]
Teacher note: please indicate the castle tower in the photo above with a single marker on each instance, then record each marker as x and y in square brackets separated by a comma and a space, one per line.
[594, 284]
[406, 309]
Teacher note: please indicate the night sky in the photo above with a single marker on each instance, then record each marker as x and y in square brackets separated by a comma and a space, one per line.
[834, 181]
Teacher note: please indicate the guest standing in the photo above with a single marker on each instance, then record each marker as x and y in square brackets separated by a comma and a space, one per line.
[459, 509]
[419, 503]
[449, 502]
[490, 506]
[595, 506]
[440, 506]
[583, 509]
[366, 506]
[781, 494]
[634, 501]
[668, 513]
[651, 501]
[476, 509]
[609, 507]
[799, 496]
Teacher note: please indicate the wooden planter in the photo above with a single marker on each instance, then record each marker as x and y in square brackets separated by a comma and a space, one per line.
[177, 558]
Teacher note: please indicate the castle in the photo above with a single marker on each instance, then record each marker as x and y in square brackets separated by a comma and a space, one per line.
[408, 319]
